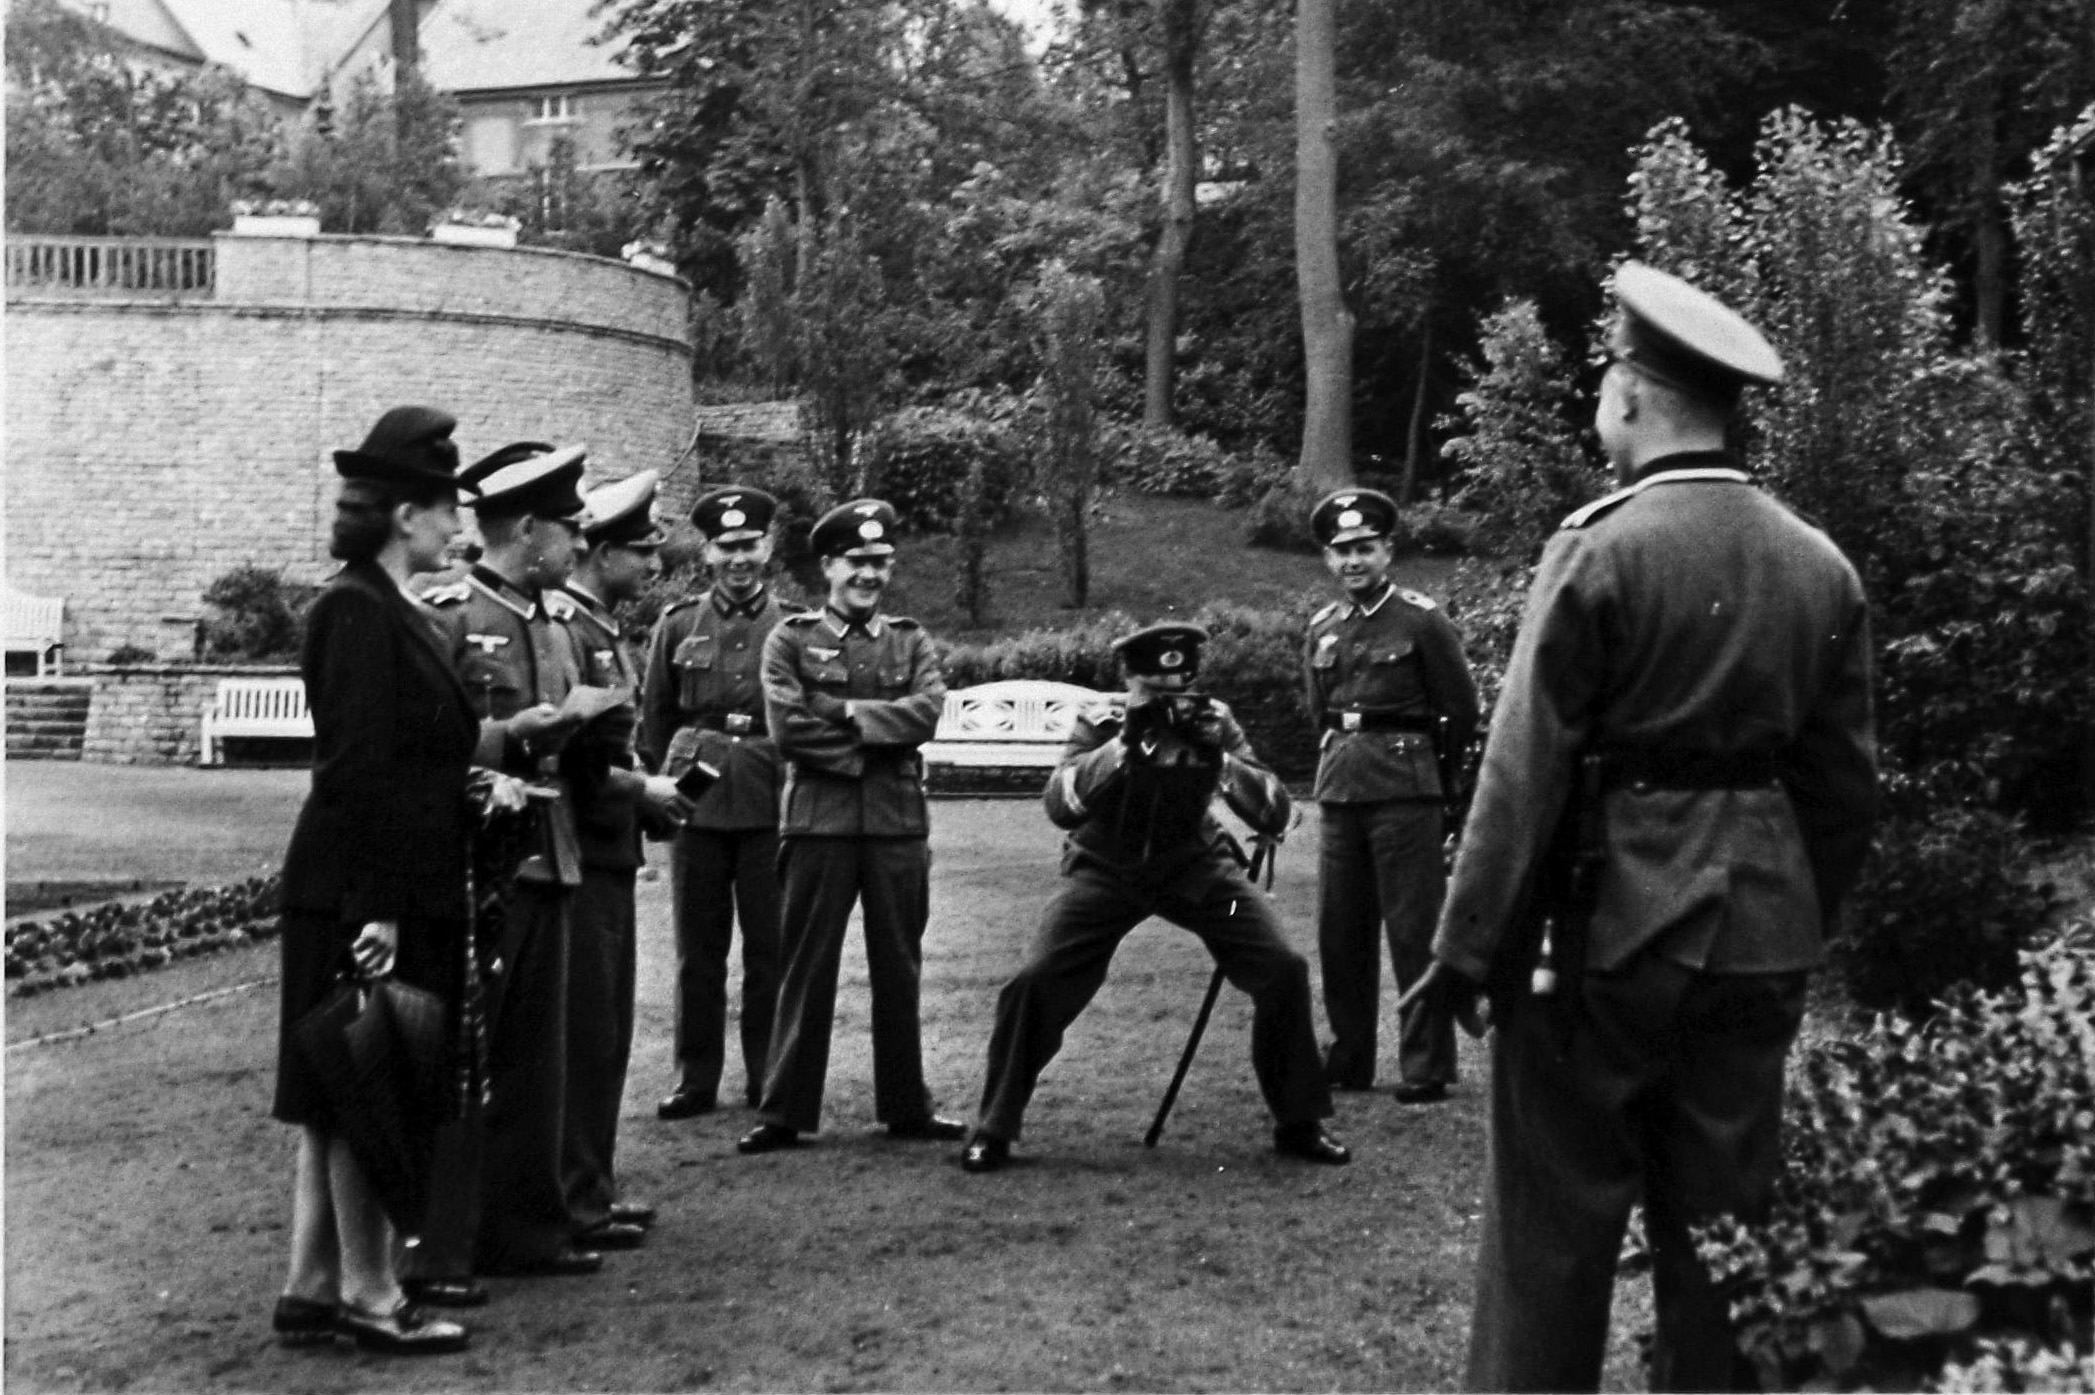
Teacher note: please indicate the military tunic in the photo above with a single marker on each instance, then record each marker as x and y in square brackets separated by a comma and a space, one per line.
[498, 1197]
[704, 672]
[601, 949]
[1142, 840]
[1379, 678]
[849, 703]
[1690, 615]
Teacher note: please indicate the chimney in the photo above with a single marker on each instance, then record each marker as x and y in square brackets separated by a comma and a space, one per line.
[406, 17]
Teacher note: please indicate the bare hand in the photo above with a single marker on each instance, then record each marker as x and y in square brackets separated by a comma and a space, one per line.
[374, 948]
[661, 797]
[1455, 991]
[506, 794]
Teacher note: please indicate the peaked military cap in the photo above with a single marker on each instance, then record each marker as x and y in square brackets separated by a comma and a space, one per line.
[734, 513]
[861, 528]
[1346, 515]
[623, 514]
[407, 445]
[1687, 338]
[541, 484]
[505, 455]
[1172, 647]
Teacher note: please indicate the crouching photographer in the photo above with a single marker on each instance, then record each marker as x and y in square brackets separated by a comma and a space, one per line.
[1134, 790]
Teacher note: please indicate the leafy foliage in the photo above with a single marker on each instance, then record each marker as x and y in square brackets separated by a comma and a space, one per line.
[1070, 308]
[385, 162]
[1941, 902]
[1940, 1191]
[923, 459]
[1162, 460]
[115, 940]
[1526, 468]
[254, 615]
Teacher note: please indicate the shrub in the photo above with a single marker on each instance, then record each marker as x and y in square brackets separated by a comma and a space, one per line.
[1485, 601]
[1942, 901]
[127, 654]
[1154, 460]
[254, 615]
[1938, 1202]
[1280, 518]
[115, 940]
[919, 459]
[1437, 530]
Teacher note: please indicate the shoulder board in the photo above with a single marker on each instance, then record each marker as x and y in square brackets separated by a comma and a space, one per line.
[1580, 517]
[1418, 598]
[451, 593]
[674, 606]
[903, 622]
[1220, 706]
[559, 606]
[802, 617]
[1326, 613]
[1108, 711]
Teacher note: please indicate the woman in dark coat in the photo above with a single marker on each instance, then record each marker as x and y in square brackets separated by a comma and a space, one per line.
[375, 878]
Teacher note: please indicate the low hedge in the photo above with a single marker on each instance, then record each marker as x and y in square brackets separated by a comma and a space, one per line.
[115, 940]
[1935, 1220]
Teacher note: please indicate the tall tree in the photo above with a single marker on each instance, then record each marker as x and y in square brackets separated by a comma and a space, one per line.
[1178, 24]
[1327, 325]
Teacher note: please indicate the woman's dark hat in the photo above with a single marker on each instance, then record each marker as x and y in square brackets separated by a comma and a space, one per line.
[409, 445]
[1161, 651]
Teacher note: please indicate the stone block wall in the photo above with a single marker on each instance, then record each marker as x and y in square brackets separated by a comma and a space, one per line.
[152, 714]
[153, 445]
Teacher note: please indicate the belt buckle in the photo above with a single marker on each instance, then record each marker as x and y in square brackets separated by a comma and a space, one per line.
[1349, 721]
[739, 723]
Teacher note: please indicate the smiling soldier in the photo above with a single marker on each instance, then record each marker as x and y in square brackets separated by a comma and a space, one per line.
[850, 694]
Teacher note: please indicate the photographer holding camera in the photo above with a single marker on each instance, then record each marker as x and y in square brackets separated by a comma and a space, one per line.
[1134, 790]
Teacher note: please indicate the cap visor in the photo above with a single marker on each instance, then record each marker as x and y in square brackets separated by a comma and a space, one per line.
[1346, 535]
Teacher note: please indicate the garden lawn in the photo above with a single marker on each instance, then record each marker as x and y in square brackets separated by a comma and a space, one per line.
[147, 1188]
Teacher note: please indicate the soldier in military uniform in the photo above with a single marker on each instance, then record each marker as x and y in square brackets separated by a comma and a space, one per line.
[500, 1205]
[619, 540]
[1696, 656]
[1389, 685]
[704, 694]
[849, 695]
[1133, 789]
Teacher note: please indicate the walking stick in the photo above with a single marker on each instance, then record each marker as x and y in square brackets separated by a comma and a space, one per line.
[1260, 861]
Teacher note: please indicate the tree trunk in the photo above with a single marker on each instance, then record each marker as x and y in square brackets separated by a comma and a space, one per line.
[1990, 281]
[1176, 19]
[1415, 431]
[1327, 326]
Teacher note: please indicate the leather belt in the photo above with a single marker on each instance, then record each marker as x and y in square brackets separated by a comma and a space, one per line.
[1657, 768]
[1338, 719]
[733, 723]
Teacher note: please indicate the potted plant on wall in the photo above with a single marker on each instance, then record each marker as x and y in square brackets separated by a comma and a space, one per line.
[649, 255]
[464, 228]
[276, 218]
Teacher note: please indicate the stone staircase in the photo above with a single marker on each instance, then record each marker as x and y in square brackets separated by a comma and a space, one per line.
[47, 717]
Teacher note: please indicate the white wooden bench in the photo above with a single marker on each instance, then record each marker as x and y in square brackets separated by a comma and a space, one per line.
[254, 707]
[1019, 723]
[35, 625]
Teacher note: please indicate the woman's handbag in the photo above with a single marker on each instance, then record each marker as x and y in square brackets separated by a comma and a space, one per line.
[378, 1052]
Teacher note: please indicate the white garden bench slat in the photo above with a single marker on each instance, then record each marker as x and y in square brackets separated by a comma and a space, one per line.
[254, 707]
[1018, 722]
[35, 625]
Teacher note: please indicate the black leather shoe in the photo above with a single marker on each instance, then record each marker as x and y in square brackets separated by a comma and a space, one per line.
[633, 1213]
[768, 1138]
[612, 1235]
[1310, 1143]
[406, 1331]
[567, 1263]
[1428, 1092]
[685, 1104]
[985, 1154]
[446, 1293]
[936, 1126]
[303, 1322]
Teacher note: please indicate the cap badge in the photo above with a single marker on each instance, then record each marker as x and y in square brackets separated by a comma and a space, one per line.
[733, 518]
[1351, 518]
[1347, 501]
[867, 510]
[1171, 658]
[728, 501]
[870, 530]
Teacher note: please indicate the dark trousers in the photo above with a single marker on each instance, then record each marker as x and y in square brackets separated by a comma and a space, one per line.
[717, 875]
[820, 880]
[1067, 963]
[1666, 1087]
[1379, 874]
[600, 974]
[496, 1197]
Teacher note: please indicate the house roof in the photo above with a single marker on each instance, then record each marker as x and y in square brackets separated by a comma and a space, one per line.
[486, 45]
[281, 46]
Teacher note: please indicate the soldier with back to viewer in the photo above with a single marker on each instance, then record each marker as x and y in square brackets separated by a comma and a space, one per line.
[1388, 683]
[1690, 692]
[703, 708]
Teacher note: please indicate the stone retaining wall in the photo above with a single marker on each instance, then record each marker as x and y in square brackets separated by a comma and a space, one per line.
[152, 714]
